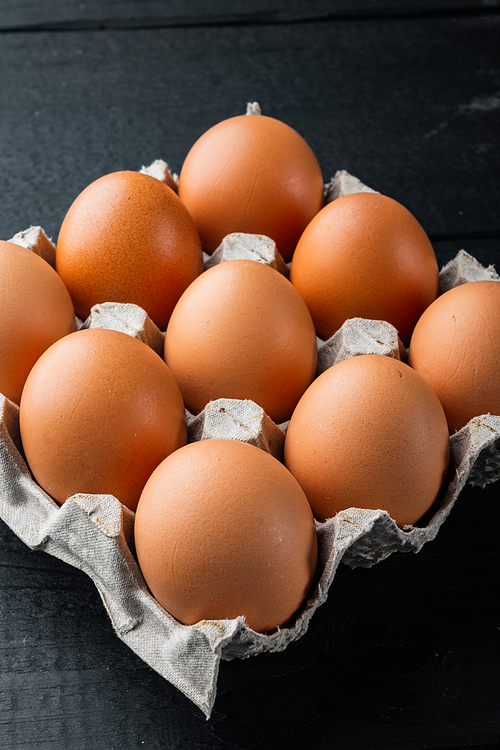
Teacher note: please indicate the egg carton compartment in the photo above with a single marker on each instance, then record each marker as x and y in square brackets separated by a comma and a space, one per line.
[95, 532]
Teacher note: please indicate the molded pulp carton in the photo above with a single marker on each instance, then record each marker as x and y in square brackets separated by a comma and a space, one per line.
[95, 532]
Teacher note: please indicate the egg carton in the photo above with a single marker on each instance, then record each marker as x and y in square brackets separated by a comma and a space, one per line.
[95, 532]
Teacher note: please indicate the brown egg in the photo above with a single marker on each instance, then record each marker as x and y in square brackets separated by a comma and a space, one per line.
[455, 347]
[364, 255]
[222, 529]
[242, 331]
[128, 238]
[100, 411]
[35, 311]
[251, 174]
[369, 433]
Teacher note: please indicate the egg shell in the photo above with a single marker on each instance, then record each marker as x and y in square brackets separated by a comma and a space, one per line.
[352, 536]
[222, 530]
[128, 238]
[241, 330]
[180, 653]
[369, 433]
[365, 255]
[98, 413]
[455, 347]
[35, 311]
[252, 174]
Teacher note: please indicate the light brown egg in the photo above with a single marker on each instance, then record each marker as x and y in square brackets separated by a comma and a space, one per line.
[251, 174]
[128, 238]
[365, 255]
[455, 347]
[35, 311]
[222, 529]
[369, 433]
[242, 331]
[99, 412]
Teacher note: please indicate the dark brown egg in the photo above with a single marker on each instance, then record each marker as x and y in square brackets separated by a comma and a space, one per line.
[128, 238]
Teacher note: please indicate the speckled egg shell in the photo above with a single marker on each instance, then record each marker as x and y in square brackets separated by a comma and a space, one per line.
[100, 410]
[365, 255]
[455, 347]
[251, 174]
[241, 330]
[369, 433]
[35, 311]
[222, 530]
[128, 238]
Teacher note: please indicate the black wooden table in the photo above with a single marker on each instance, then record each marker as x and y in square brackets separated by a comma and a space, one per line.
[406, 96]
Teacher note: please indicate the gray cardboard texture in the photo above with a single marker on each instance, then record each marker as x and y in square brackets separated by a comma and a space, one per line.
[94, 532]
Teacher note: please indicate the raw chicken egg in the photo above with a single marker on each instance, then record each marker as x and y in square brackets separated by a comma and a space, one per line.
[455, 347]
[242, 331]
[128, 238]
[369, 433]
[365, 255]
[223, 530]
[35, 311]
[251, 174]
[99, 412]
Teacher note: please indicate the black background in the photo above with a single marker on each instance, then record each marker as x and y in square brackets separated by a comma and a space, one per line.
[404, 95]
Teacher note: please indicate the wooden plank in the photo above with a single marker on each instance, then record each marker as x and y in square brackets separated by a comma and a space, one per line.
[114, 13]
[411, 107]
[404, 654]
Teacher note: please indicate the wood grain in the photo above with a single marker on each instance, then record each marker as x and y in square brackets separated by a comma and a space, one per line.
[73, 14]
[404, 654]
[423, 130]
[404, 95]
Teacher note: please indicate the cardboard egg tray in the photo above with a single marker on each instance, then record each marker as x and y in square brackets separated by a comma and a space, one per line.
[95, 532]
